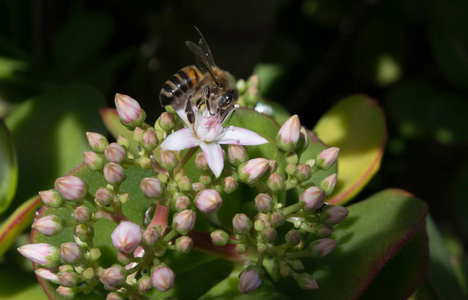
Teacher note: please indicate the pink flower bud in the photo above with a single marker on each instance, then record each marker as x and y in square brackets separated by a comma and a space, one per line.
[293, 237]
[205, 179]
[275, 182]
[306, 281]
[151, 235]
[152, 188]
[184, 244]
[219, 237]
[94, 161]
[51, 198]
[328, 184]
[163, 278]
[82, 214]
[126, 237]
[263, 203]
[124, 142]
[168, 160]
[68, 279]
[236, 155]
[113, 277]
[322, 230]
[149, 140]
[103, 196]
[327, 158]
[114, 173]
[250, 279]
[97, 141]
[289, 134]
[115, 153]
[138, 134]
[167, 121]
[312, 198]
[49, 225]
[71, 188]
[184, 184]
[332, 215]
[276, 219]
[129, 110]
[322, 247]
[241, 224]
[67, 292]
[303, 172]
[114, 295]
[182, 202]
[229, 185]
[144, 284]
[200, 162]
[253, 170]
[48, 274]
[269, 234]
[208, 201]
[71, 253]
[42, 254]
[184, 221]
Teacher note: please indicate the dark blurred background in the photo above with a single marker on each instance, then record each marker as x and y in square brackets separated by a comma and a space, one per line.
[411, 56]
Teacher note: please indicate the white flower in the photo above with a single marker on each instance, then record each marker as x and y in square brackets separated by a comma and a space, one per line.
[208, 133]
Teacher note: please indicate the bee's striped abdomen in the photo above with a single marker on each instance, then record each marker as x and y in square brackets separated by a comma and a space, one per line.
[179, 84]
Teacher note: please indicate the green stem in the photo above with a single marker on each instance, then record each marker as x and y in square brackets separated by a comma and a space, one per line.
[291, 209]
[170, 235]
[185, 159]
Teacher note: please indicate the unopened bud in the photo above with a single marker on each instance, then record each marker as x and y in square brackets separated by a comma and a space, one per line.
[115, 153]
[48, 274]
[144, 284]
[327, 158]
[49, 225]
[292, 158]
[200, 162]
[124, 142]
[229, 185]
[114, 295]
[184, 221]
[293, 238]
[240, 249]
[124, 197]
[332, 215]
[241, 224]
[306, 281]
[297, 265]
[82, 214]
[182, 202]
[184, 244]
[184, 184]
[151, 187]
[321, 230]
[138, 134]
[168, 160]
[113, 277]
[114, 173]
[312, 198]
[68, 278]
[259, 225]
[71, 188]
[71, 253]
[97, 141]
[163, 278]
[208, 201]
[303, 141]
[126, 237]
[250, 279]
[51, 198]
[303, 172]
[289, 134]
[103, 196]
[219, 237]
[328, 184]
[251, 171]
[66, 292]
[236, 155]
[322, 247]
[276, 219]
[263, 203]
[129, 110]
[94, 161]
[151, 236]
[43, 254]
[149, 140]
[167, 121]
[290, 169]
[269, 234]
[275, 182]
[84, 232]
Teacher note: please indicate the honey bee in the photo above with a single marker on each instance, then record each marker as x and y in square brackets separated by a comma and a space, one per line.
[206, 84]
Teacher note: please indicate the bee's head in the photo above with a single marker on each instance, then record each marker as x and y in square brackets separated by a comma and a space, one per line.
[228, 99]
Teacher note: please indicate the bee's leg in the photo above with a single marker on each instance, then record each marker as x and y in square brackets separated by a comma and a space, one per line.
[189, 112]
[206, 93]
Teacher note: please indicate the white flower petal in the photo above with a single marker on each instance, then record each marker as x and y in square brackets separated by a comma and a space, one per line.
[181, 139]
[181, 112]
[214, 157]
[240, 136]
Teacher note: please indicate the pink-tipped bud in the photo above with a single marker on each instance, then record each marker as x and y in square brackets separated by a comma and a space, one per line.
[236, 155]
[126, 237]
[82, 214]
[200, 162]
[97, 141]
[251, 171]
[219, 237]
[332, 215]
[250, 279]
[303, 141]
[292, 158]
[328, 184]
[115, 153]
[322, 247]
[205, 179]
[113, 277]
[43, 254]
[208, 201]
[94, 161]
[241, 224]
[184, 221]
[152, 188]
[151, 235]
[306, 281]
[66, 292]
[71, 253]
[167, 121]
[269, 234]
[184, 184]
[322, 230]
[103, 197]
[51, 198]
[138, 134]
[240, 249]
[289, 134]
[129, 110]
[303, 172]
[229, 185]
[149, 140]
[68, 278]
[124, 142]
[182, 202]
[114, 173]
[184, 244]
[48, 274]
[114, 295]
[263, 203]
[312, 198]
[327, 158]
[293, 238]
[168, 160]
[163, 278]
[49, 225]
[84, 232]
[144, 284]
[275, 182]
[71, 188]
[276, 219]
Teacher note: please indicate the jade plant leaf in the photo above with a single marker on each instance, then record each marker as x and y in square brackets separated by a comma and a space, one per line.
[49, 133]
[357, 126]
[375, 231]
[8, 168]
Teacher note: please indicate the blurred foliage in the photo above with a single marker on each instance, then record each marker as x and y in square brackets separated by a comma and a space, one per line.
[59, 60]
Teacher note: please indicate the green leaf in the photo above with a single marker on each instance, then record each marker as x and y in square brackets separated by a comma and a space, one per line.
[8, 168]
[49, 133]
[374, 232]
[357, 126]
[112, 122]
[18, 284]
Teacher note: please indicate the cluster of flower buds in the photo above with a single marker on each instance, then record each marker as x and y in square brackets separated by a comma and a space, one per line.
[141, 245]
